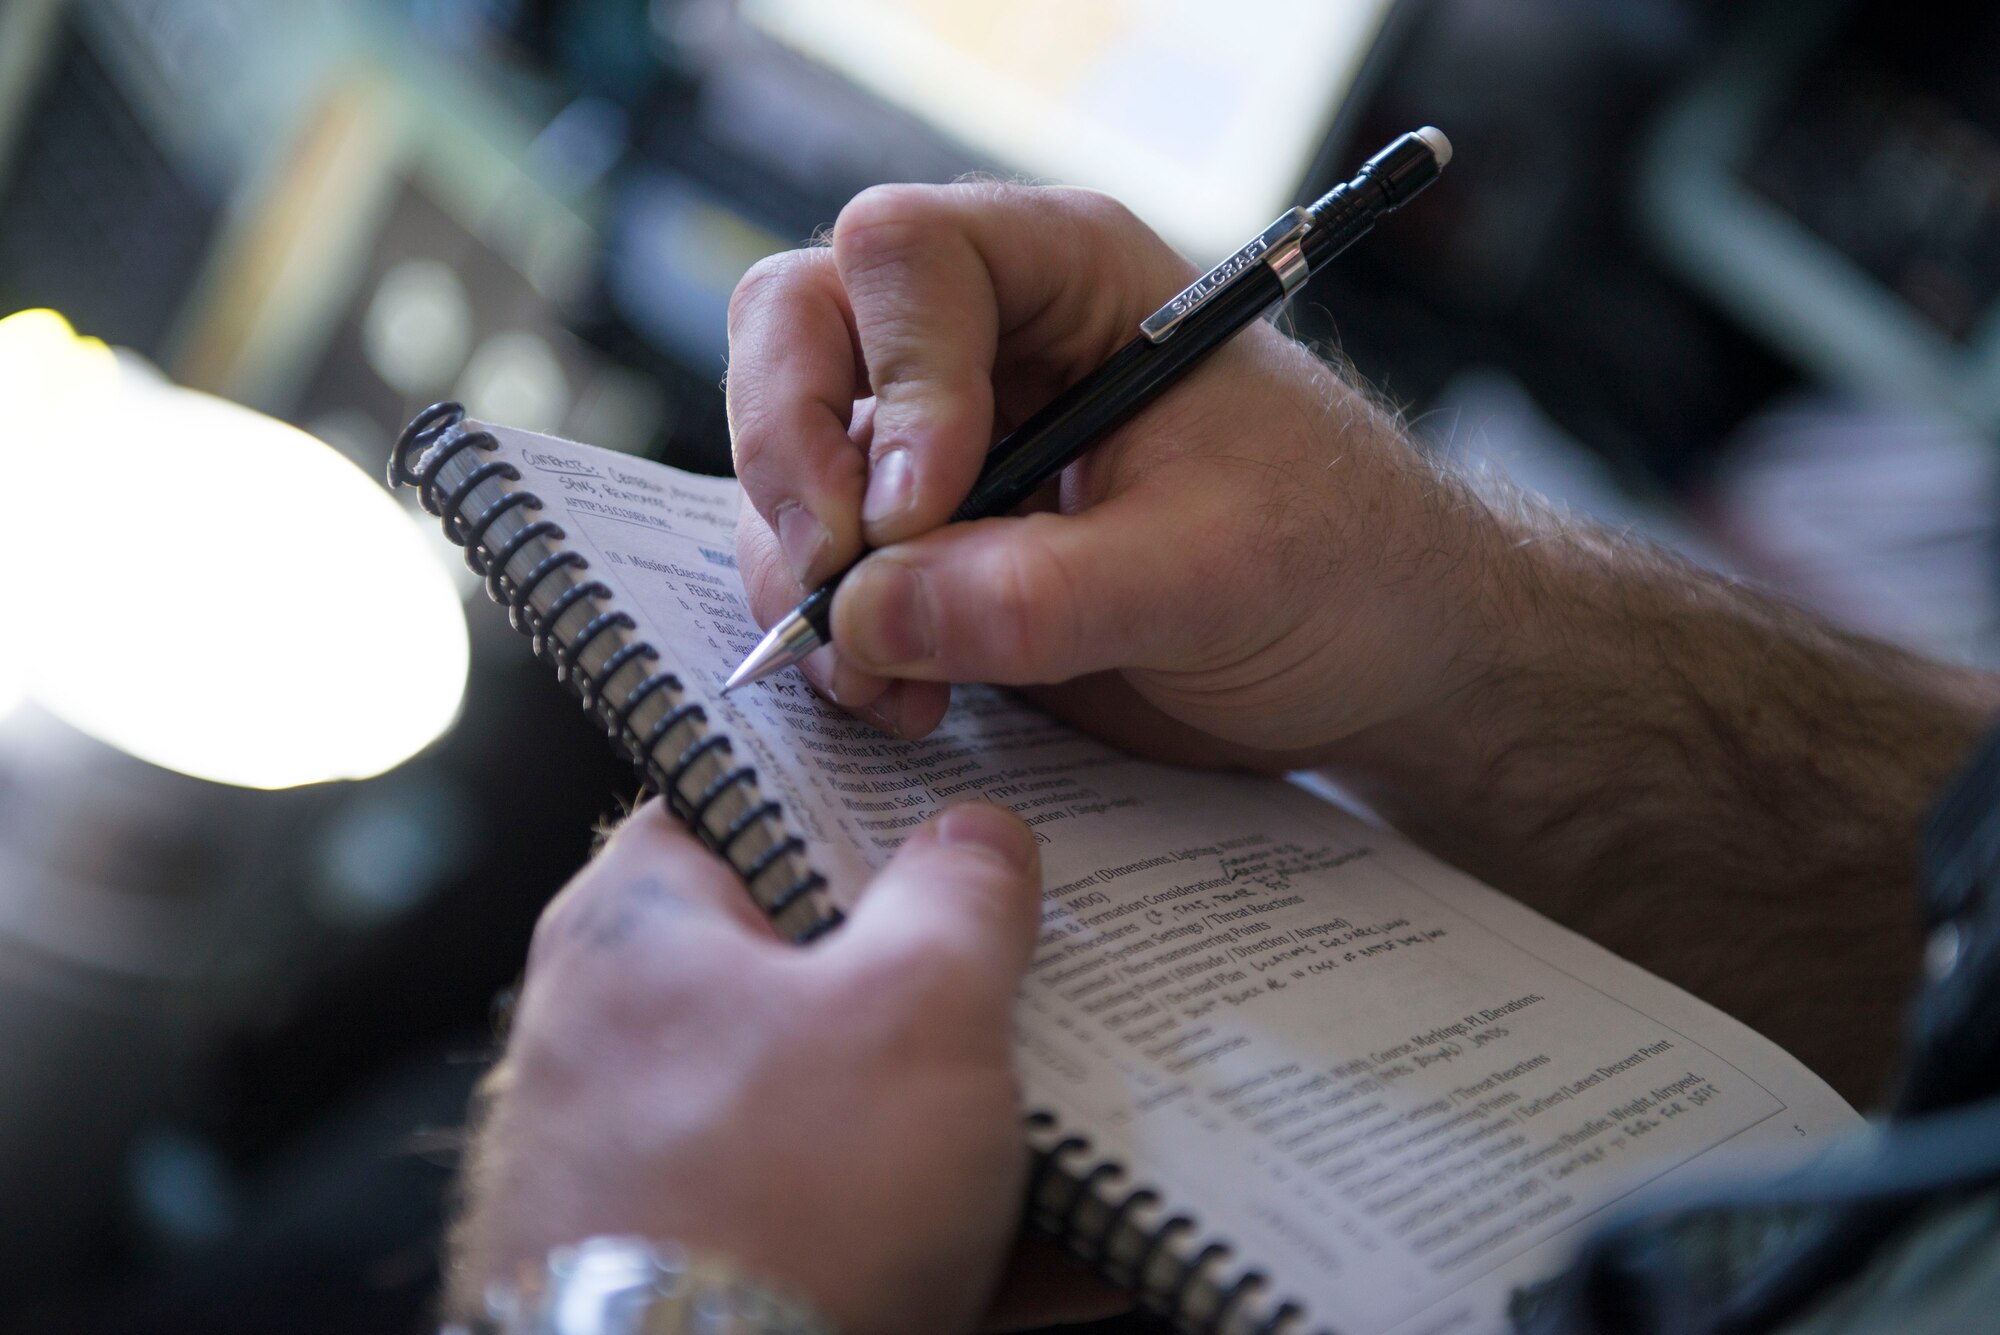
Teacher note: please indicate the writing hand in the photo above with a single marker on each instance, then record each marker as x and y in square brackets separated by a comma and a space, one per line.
[1259, 570]
[1250, 570]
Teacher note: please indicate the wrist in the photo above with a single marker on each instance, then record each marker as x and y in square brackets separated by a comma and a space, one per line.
[630, 1286]
[1464, 597]
[558, 1174]
[1511, 602]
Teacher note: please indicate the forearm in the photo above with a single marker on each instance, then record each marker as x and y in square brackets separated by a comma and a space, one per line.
[1707, 781]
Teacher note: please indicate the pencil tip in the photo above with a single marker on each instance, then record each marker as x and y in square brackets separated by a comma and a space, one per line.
[746, 672]
[788, 642]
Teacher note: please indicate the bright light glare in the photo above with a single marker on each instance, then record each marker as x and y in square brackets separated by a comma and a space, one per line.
[1204, 118]
[220, 594]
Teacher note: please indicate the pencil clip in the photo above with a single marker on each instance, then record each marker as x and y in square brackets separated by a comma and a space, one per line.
[1277, 246]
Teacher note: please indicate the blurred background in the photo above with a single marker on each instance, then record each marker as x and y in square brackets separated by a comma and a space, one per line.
[280, 796]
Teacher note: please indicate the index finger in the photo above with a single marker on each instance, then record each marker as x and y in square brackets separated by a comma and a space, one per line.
[652, 881]
[924, 288]
[793, 379]
[937, 278]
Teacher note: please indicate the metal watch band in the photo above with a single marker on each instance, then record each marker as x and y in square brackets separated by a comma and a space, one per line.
[632, 1286]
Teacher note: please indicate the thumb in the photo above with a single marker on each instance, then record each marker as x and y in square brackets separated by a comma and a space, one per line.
[961, 900]
[1033, 599]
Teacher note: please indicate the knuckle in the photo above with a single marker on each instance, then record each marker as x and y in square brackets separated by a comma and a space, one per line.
[882, 1003]
[1033, 609]
[1114, 236]
[559, 921]
[542, 941]
[538, 1052]
[1099, 211]
[905, 372]
[1015, 612]
[757, 443]
[768, 581]
[1013, 196]
[564, 1026]
[765, 283]
[883, 222]
[936, 968]
[741, 401]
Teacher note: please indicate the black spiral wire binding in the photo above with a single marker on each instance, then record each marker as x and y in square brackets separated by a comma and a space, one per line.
[435, 430]
[544, 642]
[457, 527]
[1062, 1217]
[475, 555]
[1061, 1221]
[794, 892]
[1177, 1297]
[1280, 1316]
[1090, 1246]
[1057, 1194]
[592, 629]
[769, 858]
[746, 820]
[521, 598]
[621, 718]
[424, 431]
[685, 761]
[819, 927]
[498, 587]
[1041, 1165]
[1246, 1284]
[421, 451]
[591, 689]
[1142, 1270]
[742, 774]
[667, 723]
[1099, 1246]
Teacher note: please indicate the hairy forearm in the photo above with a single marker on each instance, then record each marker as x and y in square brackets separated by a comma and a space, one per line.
[1703, 779]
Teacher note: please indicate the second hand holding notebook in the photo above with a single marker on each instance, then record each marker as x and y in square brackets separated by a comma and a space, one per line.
[1285, 1072]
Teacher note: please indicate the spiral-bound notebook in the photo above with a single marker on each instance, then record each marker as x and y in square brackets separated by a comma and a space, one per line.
[1286, 1073]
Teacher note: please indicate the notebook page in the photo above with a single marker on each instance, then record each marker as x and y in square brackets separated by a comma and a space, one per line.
[1396, 1092]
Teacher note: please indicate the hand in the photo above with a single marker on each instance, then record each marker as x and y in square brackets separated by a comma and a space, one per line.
[842, 1119]
[1252, 569]
[1259, 570]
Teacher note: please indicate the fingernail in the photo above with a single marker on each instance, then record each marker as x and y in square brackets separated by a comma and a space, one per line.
[803, 538]
[989, 828]
[886, 713]
[892, 483]
[819, 669]
[892, 614]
